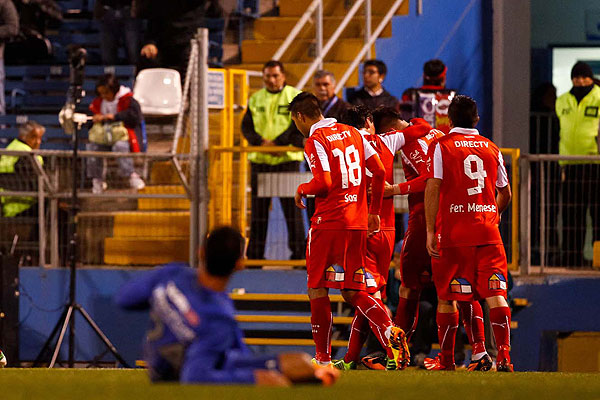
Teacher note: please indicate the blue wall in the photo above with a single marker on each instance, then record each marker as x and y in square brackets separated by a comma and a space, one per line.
[560, 304]
[458, 32]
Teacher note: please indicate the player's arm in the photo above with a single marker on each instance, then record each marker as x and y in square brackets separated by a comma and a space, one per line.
[135, 294]
[504, 193]
[318, 162]
[377, 170]
[432, 201]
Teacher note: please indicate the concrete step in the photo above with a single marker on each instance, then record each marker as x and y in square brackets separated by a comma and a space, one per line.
[151, 224]
[164, 173]
[145, 251]
[294, 71]
[260, 51]
[269, 28]
[295, 8]
[163, 204]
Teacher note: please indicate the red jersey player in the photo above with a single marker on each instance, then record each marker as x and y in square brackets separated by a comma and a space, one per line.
[338, 155]
[380, 245]
[415, 262]
[466, 191]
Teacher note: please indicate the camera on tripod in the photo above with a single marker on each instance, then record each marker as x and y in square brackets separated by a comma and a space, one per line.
[67, 117]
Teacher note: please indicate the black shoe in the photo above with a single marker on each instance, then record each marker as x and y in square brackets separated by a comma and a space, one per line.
[483, 364]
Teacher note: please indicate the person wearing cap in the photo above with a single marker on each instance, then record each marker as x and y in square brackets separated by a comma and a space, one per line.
[431, 100]
[578, 112]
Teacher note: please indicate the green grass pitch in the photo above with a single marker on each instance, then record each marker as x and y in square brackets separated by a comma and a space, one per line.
[88, 384]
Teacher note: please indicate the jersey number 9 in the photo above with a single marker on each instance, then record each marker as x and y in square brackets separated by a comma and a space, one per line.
[479, 173]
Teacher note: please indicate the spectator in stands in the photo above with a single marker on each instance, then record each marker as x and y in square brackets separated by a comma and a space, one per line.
[268, 123]
[578, 112]
[543, 139]
[9, 27]
[430, 101]
[115, 103]
[118, 25]
[372, 94]
[21, 168]
[170, 29]
[324, 88]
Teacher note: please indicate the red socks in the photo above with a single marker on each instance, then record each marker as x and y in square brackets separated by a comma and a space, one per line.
[321, 321]
[358, 335]
[376, 314]
[500, 319]
[447, 325]
[472, 319]
[407, 315]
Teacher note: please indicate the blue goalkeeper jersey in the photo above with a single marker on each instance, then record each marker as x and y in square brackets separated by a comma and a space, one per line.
[193, 335]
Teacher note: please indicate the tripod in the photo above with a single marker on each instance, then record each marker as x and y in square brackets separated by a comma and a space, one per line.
[67, 319]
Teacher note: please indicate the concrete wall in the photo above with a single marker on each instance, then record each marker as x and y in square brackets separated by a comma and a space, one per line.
[459, 33]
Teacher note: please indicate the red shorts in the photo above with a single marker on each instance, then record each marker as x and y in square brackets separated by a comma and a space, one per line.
[335, 259]
[470, 273]
[380, 247]
[415, 263]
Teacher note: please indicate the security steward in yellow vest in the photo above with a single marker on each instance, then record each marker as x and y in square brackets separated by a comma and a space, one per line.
[30, 138]
[267, 122]
[579, 114]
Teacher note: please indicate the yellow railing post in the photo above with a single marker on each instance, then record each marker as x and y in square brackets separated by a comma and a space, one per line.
[514, 154]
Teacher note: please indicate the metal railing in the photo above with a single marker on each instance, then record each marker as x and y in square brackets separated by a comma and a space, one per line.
[560, 205]
[107, 222]
[321, 51]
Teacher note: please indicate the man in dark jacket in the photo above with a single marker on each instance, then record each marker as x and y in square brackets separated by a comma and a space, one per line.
[324, 88]
[9, 27]
[372, 94]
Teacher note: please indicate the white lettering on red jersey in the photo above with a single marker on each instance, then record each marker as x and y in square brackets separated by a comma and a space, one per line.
[416, 162]
[387, 145]
[342, 151]
[471, 167]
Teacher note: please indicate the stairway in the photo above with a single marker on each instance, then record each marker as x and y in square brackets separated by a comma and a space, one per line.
[269, 32]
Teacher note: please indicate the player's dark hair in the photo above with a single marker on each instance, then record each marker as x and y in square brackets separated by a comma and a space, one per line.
[357, 116]
[306, 104]
[434, 72]
[109, 81]
[223, 248]
[384, 117]
[274, 63]
[380, 65]
[463, 112]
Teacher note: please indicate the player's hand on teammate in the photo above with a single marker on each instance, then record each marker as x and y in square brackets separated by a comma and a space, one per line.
[298, 200]
[149, 51]
[297, 368]
[389, 190]
[374, 223]
[403, 124]
[432, 245]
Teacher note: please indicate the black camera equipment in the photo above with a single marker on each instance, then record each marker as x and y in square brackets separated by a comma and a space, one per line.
[71, 122]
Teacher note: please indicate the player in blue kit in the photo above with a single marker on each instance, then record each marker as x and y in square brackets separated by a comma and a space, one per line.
[194, 337]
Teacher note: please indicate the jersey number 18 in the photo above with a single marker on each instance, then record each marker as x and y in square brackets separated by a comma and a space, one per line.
[349, 169]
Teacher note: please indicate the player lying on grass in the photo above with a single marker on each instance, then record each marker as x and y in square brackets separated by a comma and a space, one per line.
[466, 191]
[381, 244]
[194, 336]
[335, 257]
[415, 262]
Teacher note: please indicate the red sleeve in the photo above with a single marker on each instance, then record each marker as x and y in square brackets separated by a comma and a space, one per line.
[95, 105]
[419, 128]
[375, 166]
[416, 185]
[321, 182]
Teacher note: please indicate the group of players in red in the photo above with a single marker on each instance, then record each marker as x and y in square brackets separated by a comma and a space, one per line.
[457, 186]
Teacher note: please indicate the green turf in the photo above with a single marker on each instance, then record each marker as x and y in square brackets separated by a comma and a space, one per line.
[83, 384]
